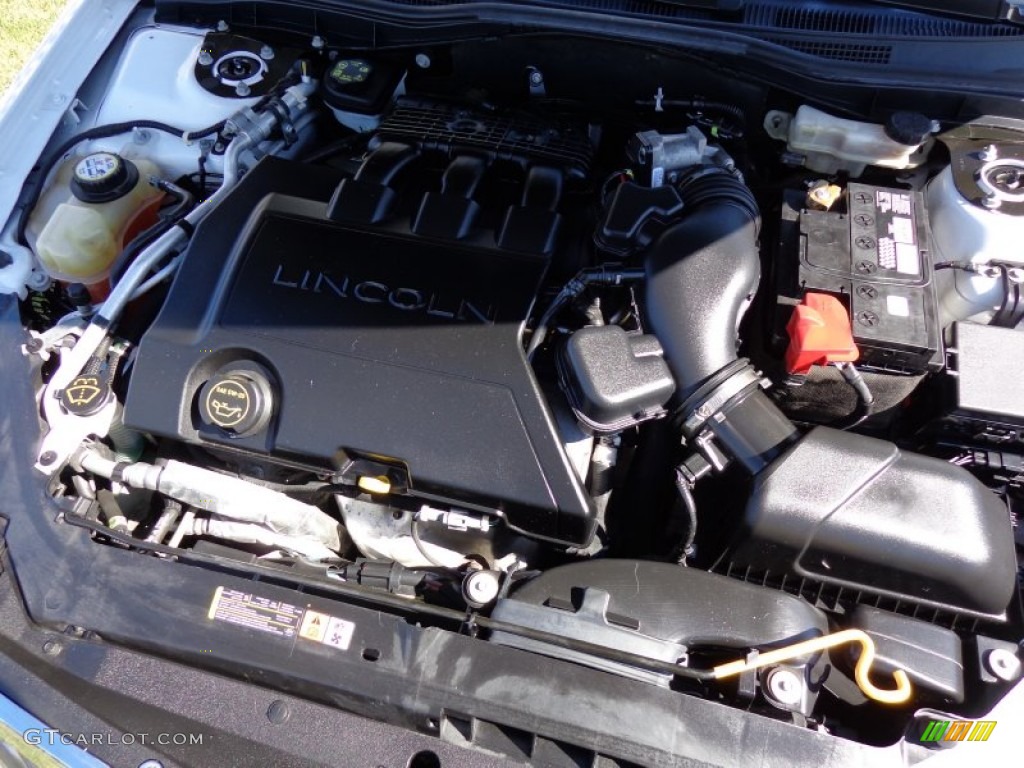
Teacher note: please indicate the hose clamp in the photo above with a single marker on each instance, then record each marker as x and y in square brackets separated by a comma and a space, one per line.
[722, 394]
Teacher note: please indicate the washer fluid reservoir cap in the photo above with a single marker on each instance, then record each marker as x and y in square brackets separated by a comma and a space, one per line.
[103, 177]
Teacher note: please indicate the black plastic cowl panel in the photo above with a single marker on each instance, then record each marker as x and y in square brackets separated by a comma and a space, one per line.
[854, 512]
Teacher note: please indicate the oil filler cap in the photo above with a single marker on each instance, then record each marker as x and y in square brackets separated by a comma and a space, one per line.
[237, 400]
[103, 177]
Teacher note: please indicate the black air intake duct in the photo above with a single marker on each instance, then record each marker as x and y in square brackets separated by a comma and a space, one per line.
[701, 275]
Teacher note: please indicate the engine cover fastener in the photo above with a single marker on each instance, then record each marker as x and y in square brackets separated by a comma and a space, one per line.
[52, 647]
[1003, 663]
[784, 685]
[480, 588]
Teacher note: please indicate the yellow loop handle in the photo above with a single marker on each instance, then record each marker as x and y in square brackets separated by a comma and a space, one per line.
[900, 694]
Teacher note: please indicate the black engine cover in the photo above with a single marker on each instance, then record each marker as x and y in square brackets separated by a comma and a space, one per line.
[382, 349]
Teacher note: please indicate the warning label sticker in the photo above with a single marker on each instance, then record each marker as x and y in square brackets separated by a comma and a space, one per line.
[339, 633]
[248, 610]
[897, 241]
[329, 630]
[314, 626]
[279, 618]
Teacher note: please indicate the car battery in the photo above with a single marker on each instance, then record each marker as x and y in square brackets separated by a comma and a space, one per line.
[871, 250]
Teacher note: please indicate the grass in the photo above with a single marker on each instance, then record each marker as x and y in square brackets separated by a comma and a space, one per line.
[23, 24]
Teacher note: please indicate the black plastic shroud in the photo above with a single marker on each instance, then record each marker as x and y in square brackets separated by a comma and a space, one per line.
[383, 346]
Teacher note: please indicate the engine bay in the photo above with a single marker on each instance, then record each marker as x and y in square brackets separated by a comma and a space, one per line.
[667, 374]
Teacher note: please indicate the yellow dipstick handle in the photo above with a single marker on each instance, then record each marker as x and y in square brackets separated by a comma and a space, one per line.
[898, 695]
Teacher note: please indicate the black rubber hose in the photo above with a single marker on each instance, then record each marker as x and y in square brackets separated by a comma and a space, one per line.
[167, 219]
[701, 275]
[685, 549]
[111, 510]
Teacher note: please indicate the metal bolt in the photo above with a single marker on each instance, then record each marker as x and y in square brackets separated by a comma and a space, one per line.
[863, 219]
[481, 587]
[423, 61]
[989, 153]
[47, 458]
[866, 267]
[318, 42]
[52, 647]
[785, 686]
[862, 197]
[1003, 663]
[991, 201]
[864, 242]
[990, 272]
[243, 89]
[867, 292]
[266, 53]
[205, 58]
[536, 78]
[222, 26]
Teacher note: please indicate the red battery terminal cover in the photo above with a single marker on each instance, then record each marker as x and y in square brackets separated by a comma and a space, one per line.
[819, 334]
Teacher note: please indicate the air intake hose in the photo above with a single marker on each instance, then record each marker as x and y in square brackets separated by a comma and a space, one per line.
[702, 273]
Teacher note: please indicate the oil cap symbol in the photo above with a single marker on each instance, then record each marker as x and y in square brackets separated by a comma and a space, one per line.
[237, 399]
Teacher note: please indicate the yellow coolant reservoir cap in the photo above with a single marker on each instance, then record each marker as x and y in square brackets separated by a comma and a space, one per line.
[377, 485]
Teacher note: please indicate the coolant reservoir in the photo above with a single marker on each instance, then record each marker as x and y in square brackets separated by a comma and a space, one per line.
[81, 223]
[830, 144]
[977, 217]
